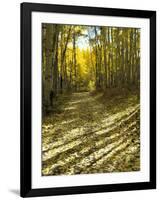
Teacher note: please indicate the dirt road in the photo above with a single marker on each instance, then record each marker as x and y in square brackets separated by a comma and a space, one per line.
[91, 136]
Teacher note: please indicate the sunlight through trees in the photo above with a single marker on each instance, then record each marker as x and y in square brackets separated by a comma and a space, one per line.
[85, 58]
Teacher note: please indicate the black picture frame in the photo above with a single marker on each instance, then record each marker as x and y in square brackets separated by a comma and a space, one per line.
[26, 104]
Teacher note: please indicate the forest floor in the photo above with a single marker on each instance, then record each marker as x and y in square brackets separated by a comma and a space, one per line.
[90, 133]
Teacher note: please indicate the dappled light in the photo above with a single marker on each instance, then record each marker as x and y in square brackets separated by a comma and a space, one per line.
[92, 142]
[90, 99]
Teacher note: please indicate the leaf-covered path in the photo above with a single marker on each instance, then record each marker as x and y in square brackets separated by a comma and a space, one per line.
[88, 135]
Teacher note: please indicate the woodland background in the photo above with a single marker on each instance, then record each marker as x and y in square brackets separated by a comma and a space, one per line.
[85, 58]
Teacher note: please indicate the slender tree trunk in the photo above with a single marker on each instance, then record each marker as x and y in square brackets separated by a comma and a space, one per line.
[63, 52]
[75, 61]
[109, 60]
[48, 70]
[105, 56]
[96, 58]
[126, 56]
[122, 63]
[116, 58]
[55, 61]
[112, 62]
[131, 51]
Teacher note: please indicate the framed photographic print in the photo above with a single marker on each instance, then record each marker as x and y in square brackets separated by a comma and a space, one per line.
[88, 99]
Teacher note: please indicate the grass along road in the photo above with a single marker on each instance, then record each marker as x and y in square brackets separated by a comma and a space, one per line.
[91, 135]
